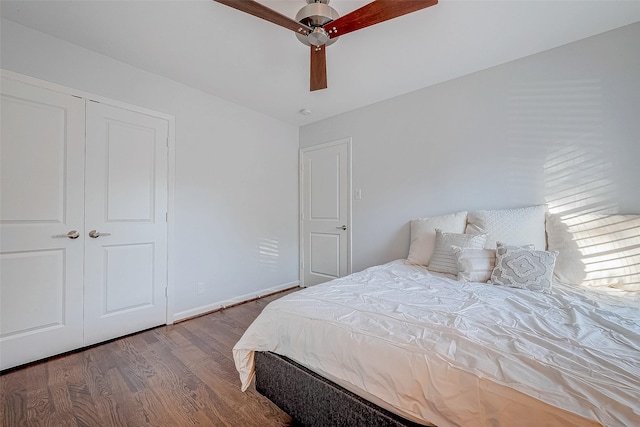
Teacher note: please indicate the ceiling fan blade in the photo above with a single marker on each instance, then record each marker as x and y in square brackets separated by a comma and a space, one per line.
[318, 78]
[374, 13]
[257, 9]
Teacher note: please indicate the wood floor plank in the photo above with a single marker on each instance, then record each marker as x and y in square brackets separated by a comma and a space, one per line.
[57, 385]
[60, 370]
[152, 410]
[14, 409]
[129, 406]
[84, 409]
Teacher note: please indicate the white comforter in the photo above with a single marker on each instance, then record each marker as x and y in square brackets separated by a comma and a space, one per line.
[468, 354]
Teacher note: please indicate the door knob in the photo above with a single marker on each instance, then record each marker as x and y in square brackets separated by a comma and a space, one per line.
[344, 227]
[73, 234]
[95, 234]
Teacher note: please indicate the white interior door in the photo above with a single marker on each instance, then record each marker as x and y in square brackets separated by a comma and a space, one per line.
[41, 200]
[325, 212]
[125, 222]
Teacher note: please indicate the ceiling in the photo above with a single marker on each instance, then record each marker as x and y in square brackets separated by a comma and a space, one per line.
[264, 67]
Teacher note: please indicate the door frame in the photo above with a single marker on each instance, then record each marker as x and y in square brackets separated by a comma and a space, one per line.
[171, 170]
[301, 242]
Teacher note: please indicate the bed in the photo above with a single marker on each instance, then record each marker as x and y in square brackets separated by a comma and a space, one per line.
[417, 347]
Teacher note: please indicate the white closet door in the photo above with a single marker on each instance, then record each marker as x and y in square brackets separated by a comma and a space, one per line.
[126, 203]
[41, 200]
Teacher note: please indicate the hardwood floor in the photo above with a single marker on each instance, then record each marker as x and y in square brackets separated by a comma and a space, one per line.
[178, 375]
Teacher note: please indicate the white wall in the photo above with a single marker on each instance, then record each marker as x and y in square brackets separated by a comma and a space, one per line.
[561, 127]
[235, 189]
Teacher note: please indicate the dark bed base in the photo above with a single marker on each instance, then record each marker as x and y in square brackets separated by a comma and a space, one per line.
[312, 400]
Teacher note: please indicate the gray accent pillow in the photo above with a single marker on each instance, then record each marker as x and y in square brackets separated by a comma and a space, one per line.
[423, 234]
[444, 259]
[524, 269]
[474, 265]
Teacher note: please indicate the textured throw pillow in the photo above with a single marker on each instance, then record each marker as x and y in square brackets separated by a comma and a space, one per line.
[515, 226]
[596, 250]
[423, 234]
[474, 265]
[524, 269]
[443, 259]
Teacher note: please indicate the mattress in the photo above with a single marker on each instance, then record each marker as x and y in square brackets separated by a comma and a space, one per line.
[435, 350]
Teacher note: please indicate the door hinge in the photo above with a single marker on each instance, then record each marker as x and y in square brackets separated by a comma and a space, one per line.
[166, 292]
[166, 217]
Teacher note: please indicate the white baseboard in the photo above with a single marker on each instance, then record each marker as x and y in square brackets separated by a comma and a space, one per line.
[231, 301]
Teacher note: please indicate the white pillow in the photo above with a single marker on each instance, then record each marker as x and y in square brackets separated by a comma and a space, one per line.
[597, 250]
[524, 269]
[513, 226]
[443, 259]
[474, 265]
[423, 234]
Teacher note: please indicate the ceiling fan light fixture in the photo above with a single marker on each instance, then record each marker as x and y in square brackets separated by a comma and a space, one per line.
[318, 36]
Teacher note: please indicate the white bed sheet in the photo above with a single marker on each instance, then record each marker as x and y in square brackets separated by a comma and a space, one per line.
[469, 354]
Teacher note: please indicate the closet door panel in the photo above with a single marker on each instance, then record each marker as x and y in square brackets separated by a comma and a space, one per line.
[41, 201]
[126, 202]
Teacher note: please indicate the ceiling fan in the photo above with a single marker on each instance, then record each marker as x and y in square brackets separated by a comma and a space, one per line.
[318, 25]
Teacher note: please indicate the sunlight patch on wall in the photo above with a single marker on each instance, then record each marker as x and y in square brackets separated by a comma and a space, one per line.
[557, 129]
[268, 253]
[556, 135]
[577, 181]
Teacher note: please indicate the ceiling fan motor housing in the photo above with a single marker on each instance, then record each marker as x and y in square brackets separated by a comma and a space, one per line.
[315, 15]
